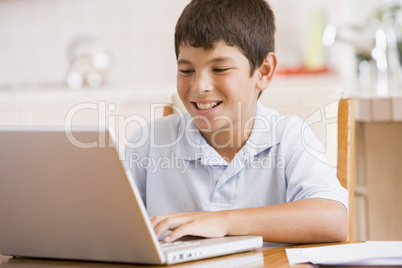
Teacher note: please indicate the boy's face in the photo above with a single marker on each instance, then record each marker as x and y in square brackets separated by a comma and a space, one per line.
[216, 88]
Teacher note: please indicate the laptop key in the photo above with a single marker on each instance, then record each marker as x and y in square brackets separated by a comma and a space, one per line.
[177, 244]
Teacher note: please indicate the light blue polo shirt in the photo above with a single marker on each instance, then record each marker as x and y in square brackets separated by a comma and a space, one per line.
[177, 171]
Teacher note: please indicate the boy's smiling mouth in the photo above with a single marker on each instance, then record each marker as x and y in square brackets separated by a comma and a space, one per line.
[206, 105]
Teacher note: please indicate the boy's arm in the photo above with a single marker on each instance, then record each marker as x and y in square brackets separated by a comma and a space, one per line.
[303, 221]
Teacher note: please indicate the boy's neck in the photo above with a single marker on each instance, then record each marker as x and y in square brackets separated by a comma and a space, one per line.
[229, 143]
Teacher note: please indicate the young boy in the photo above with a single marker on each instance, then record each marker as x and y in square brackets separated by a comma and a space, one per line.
[231, 166]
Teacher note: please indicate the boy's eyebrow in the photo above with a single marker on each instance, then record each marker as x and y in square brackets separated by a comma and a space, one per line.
[215, 60]
[222, 60]
[183, 62]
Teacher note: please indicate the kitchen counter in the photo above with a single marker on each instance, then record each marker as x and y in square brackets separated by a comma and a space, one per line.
[50, 105]
[369, 106]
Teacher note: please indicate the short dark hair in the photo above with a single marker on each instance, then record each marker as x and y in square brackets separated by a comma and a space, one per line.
[246, 24]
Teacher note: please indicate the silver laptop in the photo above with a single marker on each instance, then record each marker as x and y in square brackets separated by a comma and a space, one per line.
[66, 195]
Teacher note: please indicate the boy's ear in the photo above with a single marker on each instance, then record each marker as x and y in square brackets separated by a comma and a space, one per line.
[266, 71]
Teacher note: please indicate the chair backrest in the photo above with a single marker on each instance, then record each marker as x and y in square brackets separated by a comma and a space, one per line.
[329, 113]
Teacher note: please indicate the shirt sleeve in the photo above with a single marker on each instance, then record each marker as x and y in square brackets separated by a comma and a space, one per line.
[308, 174]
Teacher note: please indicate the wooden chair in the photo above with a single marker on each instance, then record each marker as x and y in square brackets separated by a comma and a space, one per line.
[329, 113]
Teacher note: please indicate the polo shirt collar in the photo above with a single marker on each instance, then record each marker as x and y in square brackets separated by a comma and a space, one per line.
[265, 130]
[191, 144]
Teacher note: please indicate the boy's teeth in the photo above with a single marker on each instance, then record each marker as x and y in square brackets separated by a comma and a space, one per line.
[206, 106]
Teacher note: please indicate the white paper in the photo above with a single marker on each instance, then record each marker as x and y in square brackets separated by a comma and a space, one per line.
[357, 254]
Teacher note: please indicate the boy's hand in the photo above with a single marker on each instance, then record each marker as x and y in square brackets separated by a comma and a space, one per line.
[200, 223]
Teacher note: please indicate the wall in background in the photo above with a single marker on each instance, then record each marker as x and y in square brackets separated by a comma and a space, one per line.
[35, 34]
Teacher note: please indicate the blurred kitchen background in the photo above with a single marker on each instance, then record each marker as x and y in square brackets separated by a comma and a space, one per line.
[41, 39]
[88, 62]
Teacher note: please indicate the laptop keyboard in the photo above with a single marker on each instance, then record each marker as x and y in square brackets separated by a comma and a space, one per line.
[177, 244]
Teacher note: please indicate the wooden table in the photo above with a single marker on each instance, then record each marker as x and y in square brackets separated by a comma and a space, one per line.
[263, 257]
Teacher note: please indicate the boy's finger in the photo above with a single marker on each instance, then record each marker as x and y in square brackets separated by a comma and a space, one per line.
[180, 231]
[155, 220]
[169, 223]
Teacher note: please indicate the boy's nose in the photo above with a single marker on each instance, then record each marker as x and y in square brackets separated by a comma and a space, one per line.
[202, 84]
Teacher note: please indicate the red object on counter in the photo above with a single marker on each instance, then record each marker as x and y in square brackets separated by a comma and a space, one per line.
[302, 70]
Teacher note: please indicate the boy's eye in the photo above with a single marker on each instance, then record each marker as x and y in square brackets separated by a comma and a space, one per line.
[220, 70]
[186, 71]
